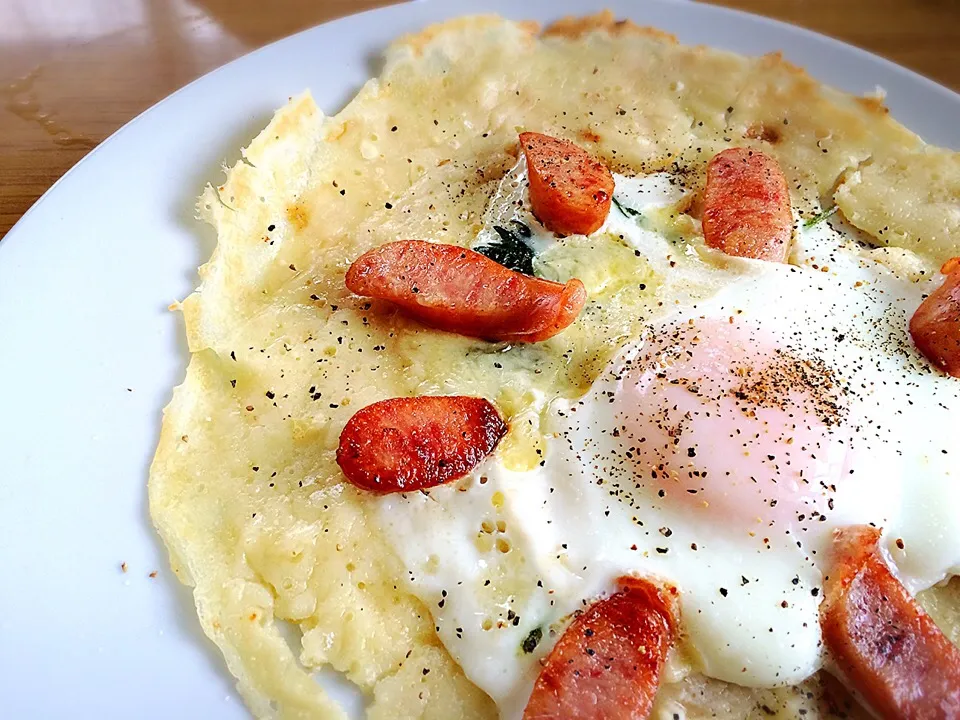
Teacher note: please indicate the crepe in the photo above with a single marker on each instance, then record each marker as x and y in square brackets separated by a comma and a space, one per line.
[288, 571]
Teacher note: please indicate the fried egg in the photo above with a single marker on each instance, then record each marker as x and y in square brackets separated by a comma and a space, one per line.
[718, 453]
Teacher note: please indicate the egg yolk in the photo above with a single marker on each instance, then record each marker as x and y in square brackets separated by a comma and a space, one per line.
[716, 416]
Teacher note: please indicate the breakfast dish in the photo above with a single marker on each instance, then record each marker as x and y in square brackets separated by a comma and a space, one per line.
[576, 371]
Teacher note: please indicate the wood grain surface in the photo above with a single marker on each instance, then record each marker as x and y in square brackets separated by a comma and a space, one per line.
[73, 71]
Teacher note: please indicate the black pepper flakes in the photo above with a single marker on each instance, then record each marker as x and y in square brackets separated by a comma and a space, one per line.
[533, 639]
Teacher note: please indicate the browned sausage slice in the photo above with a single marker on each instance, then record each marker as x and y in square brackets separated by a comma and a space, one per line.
[461, 291]
[570, 191]
[407, 444]
[935, 326]
[886, 646]
[746, 206]
[607, 664]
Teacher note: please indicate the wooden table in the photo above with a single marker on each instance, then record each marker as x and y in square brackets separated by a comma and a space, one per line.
[73, 71]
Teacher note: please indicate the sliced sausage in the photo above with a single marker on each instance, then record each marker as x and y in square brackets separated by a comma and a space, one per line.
[935, 326]
[607, 664]
[885, 645]
[461, 291]
[570, 191]
[746, 206]
[407, 444]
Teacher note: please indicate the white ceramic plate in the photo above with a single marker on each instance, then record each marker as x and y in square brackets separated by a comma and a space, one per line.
[89, 352]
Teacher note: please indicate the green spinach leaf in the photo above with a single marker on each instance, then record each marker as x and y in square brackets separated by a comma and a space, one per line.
[511, 250]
